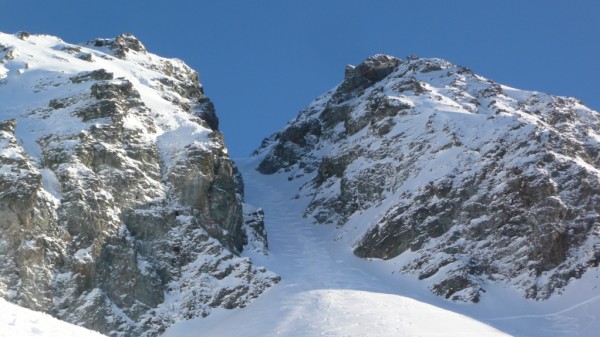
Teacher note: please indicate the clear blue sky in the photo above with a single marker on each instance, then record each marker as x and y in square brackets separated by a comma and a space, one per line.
[262, 61]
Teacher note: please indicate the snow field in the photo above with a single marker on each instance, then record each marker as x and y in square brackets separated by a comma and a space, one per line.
[16, 321]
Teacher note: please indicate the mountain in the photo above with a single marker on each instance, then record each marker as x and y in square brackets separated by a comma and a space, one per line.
[463, 182]
[120, 209]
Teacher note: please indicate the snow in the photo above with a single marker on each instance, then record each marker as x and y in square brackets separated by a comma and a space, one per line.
[18, 321]
[51, 184]
[336, 312]
[84, 255]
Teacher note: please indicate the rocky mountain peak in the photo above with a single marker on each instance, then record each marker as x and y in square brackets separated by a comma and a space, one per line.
[475, 182]
[8, 126]
[375, 68]
[120, 45]
[370, 71]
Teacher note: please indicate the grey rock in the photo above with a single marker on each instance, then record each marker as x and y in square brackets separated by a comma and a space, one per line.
[97, 75]
[23, 35]
[256, 235]
[120, 45]
[358, 78]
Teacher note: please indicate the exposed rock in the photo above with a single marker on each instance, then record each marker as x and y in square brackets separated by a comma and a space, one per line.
[293, 144]
[372, 70]
[96, 75]
[120, 45]
[31, 241]
[8, 126]
[254, 225]
[23, 35]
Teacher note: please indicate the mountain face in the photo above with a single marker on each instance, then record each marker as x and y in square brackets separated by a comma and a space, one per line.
[461, 180]
[120, 209]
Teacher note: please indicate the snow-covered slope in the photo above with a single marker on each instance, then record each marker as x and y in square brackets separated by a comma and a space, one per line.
[470, 182]
[120, 209]
[21, 322]
[327, 291]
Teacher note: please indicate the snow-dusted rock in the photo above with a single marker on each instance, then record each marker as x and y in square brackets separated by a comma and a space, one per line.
[474, 181]
[120, 208]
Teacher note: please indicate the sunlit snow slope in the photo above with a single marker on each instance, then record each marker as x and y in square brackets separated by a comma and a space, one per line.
[327, 291]
[20, 322]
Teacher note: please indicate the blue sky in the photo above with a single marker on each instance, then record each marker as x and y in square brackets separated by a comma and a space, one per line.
[262, 61]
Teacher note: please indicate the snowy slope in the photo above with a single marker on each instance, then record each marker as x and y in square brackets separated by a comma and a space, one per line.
[324, 292]
[21, 322]
[327, 291]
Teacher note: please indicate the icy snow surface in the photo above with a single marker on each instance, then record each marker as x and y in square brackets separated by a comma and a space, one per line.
[327, 291]
[20, 322]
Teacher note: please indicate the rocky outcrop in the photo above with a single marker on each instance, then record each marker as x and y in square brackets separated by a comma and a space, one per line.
[121, 45]
[120, 208]
[478, 181]
[32, 243]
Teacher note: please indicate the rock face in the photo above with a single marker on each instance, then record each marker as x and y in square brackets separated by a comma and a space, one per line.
[120, 209]
[474, 182]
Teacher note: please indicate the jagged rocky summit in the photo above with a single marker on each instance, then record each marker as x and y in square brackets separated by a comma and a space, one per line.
[463, 181]
[120, 209]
